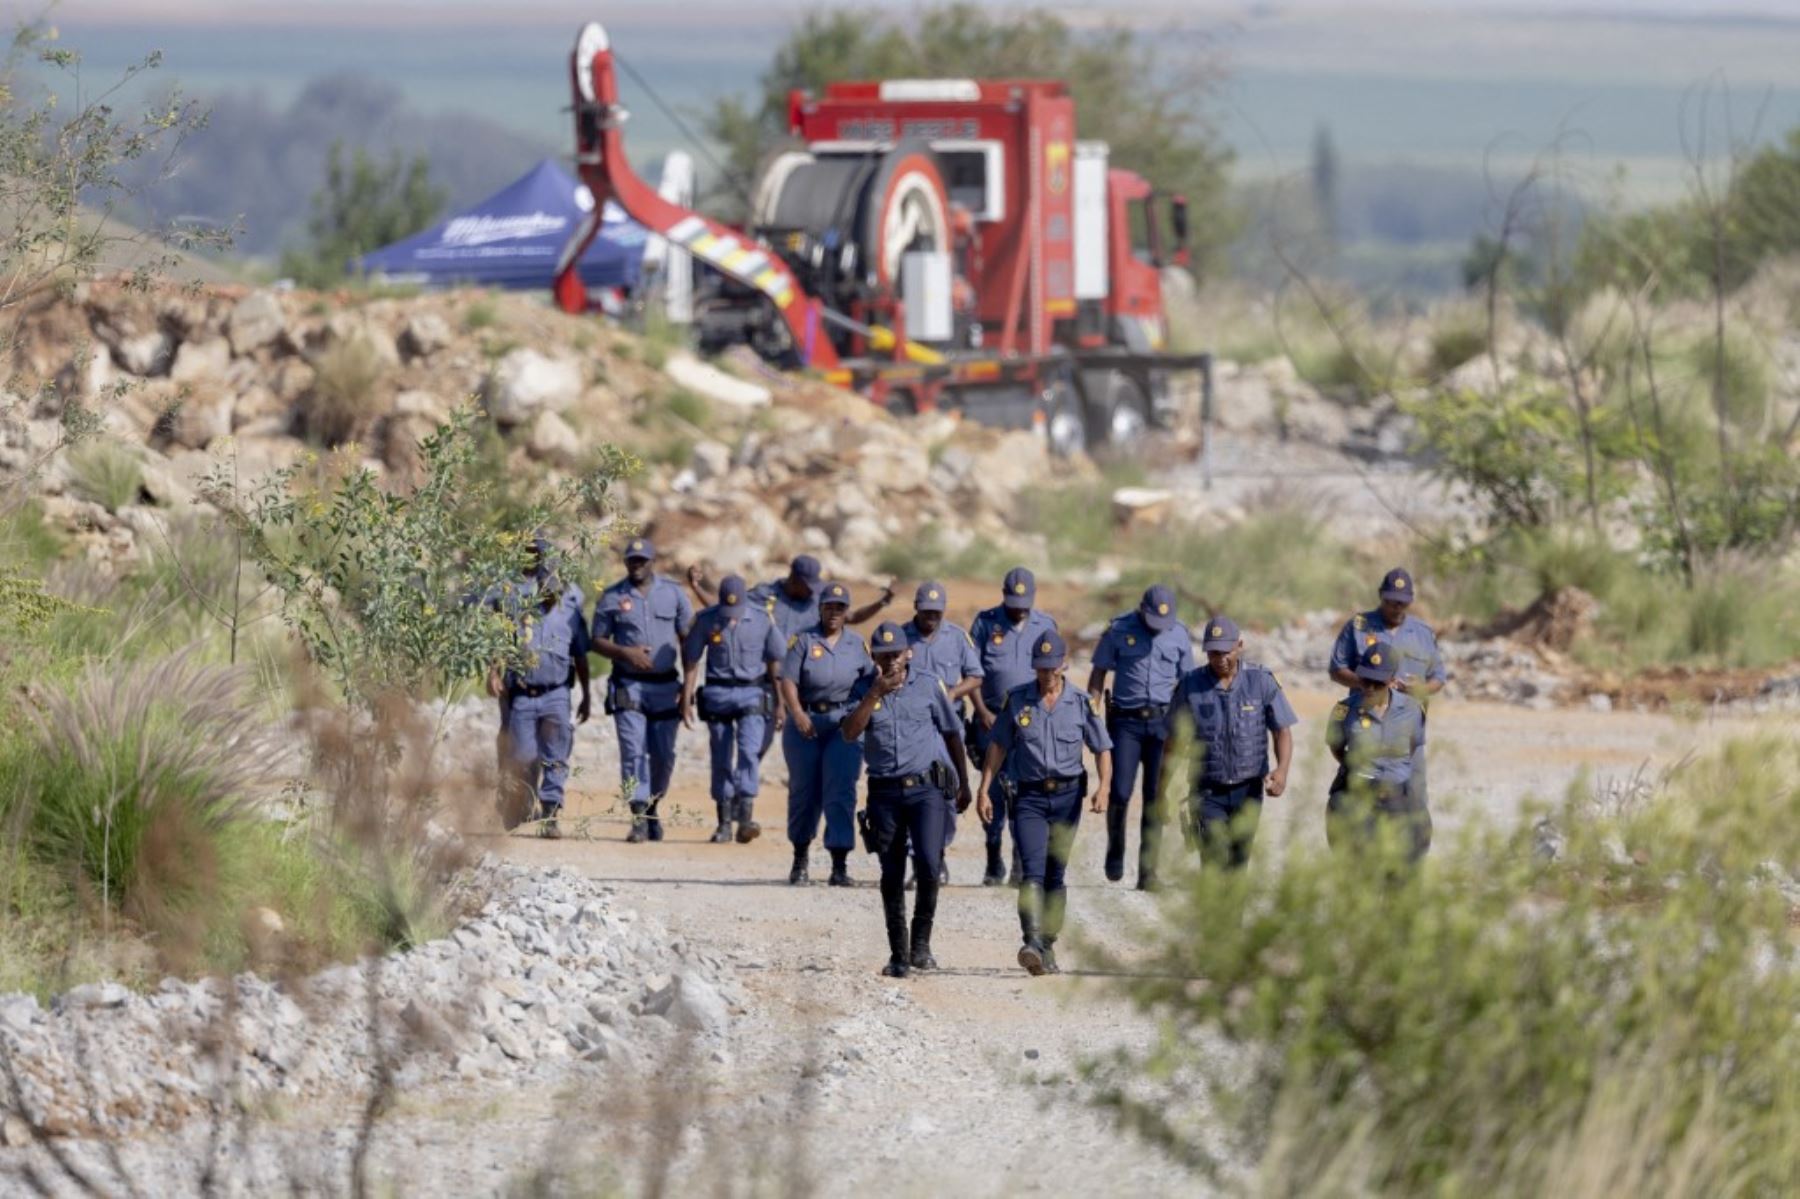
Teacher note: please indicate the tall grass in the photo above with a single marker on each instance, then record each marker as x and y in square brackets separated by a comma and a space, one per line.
[1620, 1020]
[105, 472]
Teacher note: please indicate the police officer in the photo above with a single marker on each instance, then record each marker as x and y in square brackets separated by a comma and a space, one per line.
[941, 648]
[1231, 708]
[910, 736]
[640, 623]
[1151, 652]
[1421, 673]
[536, 735]
[818, 676]
[1003, 636]
[1376, 734]
[1037, 741]
[743, 662]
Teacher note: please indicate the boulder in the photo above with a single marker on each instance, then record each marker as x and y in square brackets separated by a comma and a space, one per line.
[201, 360]
[424, 335]
[707, 380]
[356, 326]
[202, 416]
[1141, 507]
[259, 407]
[421, 403]
[255, 321]
[712, 460]
[526, 382]
[86, 376]
[552, 440]
[144, 354]
[161, 486]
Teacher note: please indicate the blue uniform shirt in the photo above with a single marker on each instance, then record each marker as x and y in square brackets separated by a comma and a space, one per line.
[1005, 651]
[554, 639]
[906, 729]
[739, 642]
[947, 654]
[1413, 641]
[1232, 724]
[1378, 745]
[1042, 742]
[789, 614]
[1147, 666]
[658, 620]
[823, 673]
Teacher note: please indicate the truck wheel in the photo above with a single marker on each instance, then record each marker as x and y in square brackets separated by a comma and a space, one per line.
[1065, 425]
[1118, 410]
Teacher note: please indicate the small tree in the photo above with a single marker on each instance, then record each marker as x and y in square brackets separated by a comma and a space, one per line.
[363, 205]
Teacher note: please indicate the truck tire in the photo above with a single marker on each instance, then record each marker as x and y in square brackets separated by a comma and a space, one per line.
[1065, 421]
[1118, 410]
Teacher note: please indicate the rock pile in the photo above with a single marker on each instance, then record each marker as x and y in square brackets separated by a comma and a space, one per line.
[552, 968]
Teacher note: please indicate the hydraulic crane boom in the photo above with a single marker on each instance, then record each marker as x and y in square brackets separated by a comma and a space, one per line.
[601, 163]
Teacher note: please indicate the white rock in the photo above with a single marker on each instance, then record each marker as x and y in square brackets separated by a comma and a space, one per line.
[512, 1042]
[202, 417]
[201, 360]
[146, 354]
[526, 382]
[709, 381]
[712, 460]
[698, 1006]
[95, 995]
[425, 334]
[254, 322]
[552, 440]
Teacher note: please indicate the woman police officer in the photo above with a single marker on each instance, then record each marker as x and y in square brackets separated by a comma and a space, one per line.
[905, 721]
[1037, 738]
[1375, 735]
[822, 667]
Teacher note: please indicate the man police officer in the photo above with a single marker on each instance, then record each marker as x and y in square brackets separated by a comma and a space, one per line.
[1377, 734]
[910, 736]
[640, 623]
[743, 663]
[818, 676]
[1419, 666]
[1151, 652]
[1037, 741]
[1231, 709]
[941, 648]
[1004, 636]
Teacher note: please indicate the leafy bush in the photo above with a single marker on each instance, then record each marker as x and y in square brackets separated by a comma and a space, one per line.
[105, 472]
[1460, 336]
[690, 407]
[342, 398]
[481, 314]
[1360, 370]
[1465, 1027]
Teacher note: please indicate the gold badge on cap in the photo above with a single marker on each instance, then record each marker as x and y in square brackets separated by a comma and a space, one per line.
[887, 634]
[1400, 584]
[1044, 648]
[1018, 589]
[931, 595]
[1162, 609]
[731, 599]
[1374, 659]
[1218, 631]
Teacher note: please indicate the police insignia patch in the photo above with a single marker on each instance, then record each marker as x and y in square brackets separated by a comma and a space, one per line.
[931, 595]
[1359, 622]
[1024, 720]
[1162, 609]
[1371, 639]
[793, 640]
[731, 599]
[1044, 648]
[718, 638]
[1374, 659]
[887, 635]
[1366, 722]
[1130, 640]
[818, 651]
[877, 706]
[1018, 589]
[624, 605]
[999, 638]
[1400, 584]
[1217, 631]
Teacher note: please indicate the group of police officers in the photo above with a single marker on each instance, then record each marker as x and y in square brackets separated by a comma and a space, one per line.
[919, 703]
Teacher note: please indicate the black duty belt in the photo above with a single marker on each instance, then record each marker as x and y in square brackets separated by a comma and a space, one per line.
[826, 707]
[1153, 712]
[649, 676]
[533, 690]
[1207, 785]
[894, 783]
[1047, 786]
[762, 682]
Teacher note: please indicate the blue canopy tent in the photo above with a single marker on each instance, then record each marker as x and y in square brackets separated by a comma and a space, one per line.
[512, 238]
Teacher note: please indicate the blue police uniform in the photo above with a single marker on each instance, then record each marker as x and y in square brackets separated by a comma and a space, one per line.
[1043, 763]
[1416, 648]
[904, 747]
[823, 770]
[791, 616]
[1004, 650]
[1147, 664]
[539, 731]
[1231, 728]
[646, 705]
[1375, 781]
[739, 642]
[948, 655]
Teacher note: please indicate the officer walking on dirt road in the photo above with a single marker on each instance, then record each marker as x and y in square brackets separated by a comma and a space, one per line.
[1037, 742]
[822, 667]
[910, 736]
[1151, 652]
[743, 665]
[1004, 636]
[639, 624]
[1229, 710]
[1377, 734]
[1420, 670]
[536, 735]
[941, 648]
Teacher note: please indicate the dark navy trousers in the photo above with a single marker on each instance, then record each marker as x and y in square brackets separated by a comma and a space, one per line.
[1136, 742]
[1228, 815]
[1044, 833]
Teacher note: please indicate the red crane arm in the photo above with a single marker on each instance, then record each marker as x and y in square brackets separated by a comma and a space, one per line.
[601, 163]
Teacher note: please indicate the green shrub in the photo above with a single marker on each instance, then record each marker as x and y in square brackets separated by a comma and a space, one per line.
[337, 407]
[105, 472]
[481, 314]
[1358, 370]
[1459, 336]
[1464, 1028]
[690, 407]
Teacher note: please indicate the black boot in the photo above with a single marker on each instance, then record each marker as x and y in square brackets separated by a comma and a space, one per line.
[893, 908]
[1017, 877]
[747, 829]
[1055, 907]
[798, 877]
[996, 869]
[1115, 841]
[548, 829]
[722, 834]
[652, 822]
[840, 869]
[1031, 953]
[924, 914]
[1049, 955]
[639, 832]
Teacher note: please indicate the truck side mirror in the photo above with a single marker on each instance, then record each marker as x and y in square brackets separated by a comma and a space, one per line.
[1178, 218]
